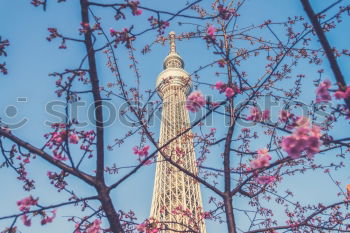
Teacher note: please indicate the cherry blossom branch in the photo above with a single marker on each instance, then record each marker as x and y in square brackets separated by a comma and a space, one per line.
[178, 14]
[50, 207]
[80, 174]
[327, 48]
[304, 222]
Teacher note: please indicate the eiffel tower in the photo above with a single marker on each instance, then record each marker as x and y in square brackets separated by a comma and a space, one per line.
[177, 202]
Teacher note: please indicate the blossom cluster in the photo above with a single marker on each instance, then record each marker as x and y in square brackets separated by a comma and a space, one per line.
[224, 88]
[142, 152]
[322, 92]
[256, 115]
[305, 138]
[342, 94]
[25, 204]
[226, 13]
[94, 227]
[121, 37]
[57, 179]
[263, 159]
[160, 24]
[148, 226]
[265, 179]
[195, 101]
[323, 95]
[57, 138]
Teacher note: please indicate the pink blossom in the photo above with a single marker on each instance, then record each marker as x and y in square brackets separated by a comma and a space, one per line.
[206, 215]
[322, 93]
[148, 226]
[94, 227]
[48, 219]
[112, 31]
[141, 227]
[229, 92]
[137, 12]
[255, 114]
[263, 159]
[220, 86]
[302, 121]
[303, 139]
[148, 162]
[141, 152]
[342, 94]
[26, 221]
[73, 138]
[211, 30]
[195, 101]
[226, 13]
[284, 116]
[59, 156]
[221, 63]
[77, 228]
[265, 115]
[266, 179]
[25, 204]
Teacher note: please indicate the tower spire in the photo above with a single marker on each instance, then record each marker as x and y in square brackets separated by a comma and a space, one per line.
[173, 60]
[172, 42]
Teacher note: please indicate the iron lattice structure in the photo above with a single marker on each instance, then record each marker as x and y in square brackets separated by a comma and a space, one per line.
[176, 199]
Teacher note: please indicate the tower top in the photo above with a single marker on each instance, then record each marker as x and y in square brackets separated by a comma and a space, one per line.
[173, 73]
[173, 60]
[172, 42]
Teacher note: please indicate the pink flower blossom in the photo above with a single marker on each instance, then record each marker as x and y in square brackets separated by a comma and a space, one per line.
[141, 227]
[255, 114]
[195, 101]
[263, 159]
[141, 152]
[229, 92]
[73, 138]
[137, 12]
[222, 63]
[342, 94]
[284, 115]
[94, 227]
[25, 204]
[148, 226]
[303, 139]
[266, 179]
[59, 156]
[220, 86]
[210, 31]
[48, 219]
[322, 93]
[265, 115]
[112, 31]
[26, 221]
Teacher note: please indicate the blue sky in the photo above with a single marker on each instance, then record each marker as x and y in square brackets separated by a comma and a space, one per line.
[31, 58]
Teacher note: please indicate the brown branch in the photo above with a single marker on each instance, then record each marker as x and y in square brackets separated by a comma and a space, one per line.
[49, 207]
[304, 222]
[103, 191]
[327, 48]
[95, 87]
[75, 172]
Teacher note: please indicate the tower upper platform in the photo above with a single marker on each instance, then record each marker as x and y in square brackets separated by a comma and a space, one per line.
[173, 73]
